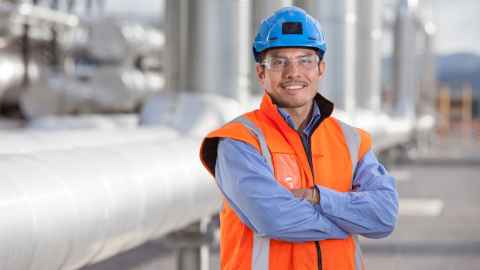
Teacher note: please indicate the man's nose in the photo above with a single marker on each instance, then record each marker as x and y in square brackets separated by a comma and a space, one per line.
[291, 70]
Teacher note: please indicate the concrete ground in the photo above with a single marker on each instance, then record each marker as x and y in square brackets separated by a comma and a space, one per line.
[438, 228]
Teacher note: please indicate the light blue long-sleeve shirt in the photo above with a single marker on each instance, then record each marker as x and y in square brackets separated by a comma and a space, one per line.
[271, 210]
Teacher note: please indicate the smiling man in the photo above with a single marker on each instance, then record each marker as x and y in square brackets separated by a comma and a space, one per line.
[299, 185]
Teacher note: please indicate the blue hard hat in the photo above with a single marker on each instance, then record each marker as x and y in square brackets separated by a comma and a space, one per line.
[289, 27]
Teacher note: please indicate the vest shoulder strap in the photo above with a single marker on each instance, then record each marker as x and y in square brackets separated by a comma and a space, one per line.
[257, 132]
[358, 142]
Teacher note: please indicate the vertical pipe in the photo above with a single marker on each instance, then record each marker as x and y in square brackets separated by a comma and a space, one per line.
[428, 90]
[219, 47]
[176, 48]
[54, 58]
[338, 19]
[101, 6]
[70, 5]
[404, 60]
[208, 46]
[26, 54]
[369, 54]
[188, 259]
[261, 10]
[89, 7]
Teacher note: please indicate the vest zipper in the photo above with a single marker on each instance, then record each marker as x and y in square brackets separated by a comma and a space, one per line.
[319, 255]
[308, 151]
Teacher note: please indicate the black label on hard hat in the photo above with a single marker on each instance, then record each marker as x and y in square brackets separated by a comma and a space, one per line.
[292, 28]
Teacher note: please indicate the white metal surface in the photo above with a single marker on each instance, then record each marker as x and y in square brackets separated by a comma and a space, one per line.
[405, 60]
[216, 56]
[220, 36]
[94, 194]
[176, 44]
[29, 141]
[64, 209]
[338, 19]
[428, 88]
[106, 89]
[192, 113]
[386, 131]
[85, 121]
[12, 72]
[115, 40]
[38, 14]
[369, 55]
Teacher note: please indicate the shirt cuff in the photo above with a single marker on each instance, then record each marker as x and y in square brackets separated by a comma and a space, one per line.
[331, 201]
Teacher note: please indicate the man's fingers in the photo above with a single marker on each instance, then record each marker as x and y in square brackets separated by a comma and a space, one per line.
[299, 192]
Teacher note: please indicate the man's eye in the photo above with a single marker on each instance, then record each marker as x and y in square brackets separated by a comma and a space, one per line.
[306, 60]
[278, 62]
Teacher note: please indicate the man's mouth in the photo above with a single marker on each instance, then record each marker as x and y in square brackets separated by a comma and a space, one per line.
[292, 86]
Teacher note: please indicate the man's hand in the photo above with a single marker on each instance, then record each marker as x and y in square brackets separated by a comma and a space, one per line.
[310, 194]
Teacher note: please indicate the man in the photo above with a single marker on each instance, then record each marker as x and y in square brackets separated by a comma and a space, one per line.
[299, 185]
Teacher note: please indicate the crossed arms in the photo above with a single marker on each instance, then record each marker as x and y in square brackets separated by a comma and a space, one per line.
[271, 210]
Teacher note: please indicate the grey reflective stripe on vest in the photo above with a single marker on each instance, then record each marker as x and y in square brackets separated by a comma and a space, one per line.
[260, 252]
[358, 253]
[259, 135]
[261, 245]
[352, 137]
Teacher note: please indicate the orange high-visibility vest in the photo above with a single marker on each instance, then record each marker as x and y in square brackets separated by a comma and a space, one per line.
[335, 147]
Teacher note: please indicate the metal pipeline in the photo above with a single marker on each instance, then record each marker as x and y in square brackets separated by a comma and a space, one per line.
[338, 19]
[73, 198]
[67, 208]
[12, 73]
[369, 55]
[217, 49]
[404, 60]
[31, 141]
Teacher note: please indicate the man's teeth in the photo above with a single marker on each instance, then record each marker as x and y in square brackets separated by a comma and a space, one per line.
[294, 87]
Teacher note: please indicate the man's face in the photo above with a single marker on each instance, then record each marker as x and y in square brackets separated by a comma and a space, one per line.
[289, 76]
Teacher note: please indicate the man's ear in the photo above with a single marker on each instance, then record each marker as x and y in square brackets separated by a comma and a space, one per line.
[260, 73]
[321, 68]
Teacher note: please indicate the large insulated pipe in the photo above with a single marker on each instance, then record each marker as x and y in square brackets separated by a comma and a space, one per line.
[369, 55]
[260, 10]
[88, 198]
[212, 45]
[30, 141]
[12, 72]
[338, 19]
[404, 60]
[66, 209]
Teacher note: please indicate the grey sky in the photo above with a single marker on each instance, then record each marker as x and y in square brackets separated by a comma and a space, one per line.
[458, 25]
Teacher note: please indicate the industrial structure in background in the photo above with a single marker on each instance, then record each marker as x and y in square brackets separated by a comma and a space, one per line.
[133, 101]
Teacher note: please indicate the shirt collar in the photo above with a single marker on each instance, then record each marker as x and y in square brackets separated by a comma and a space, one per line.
[311, 123]
[269, 110]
